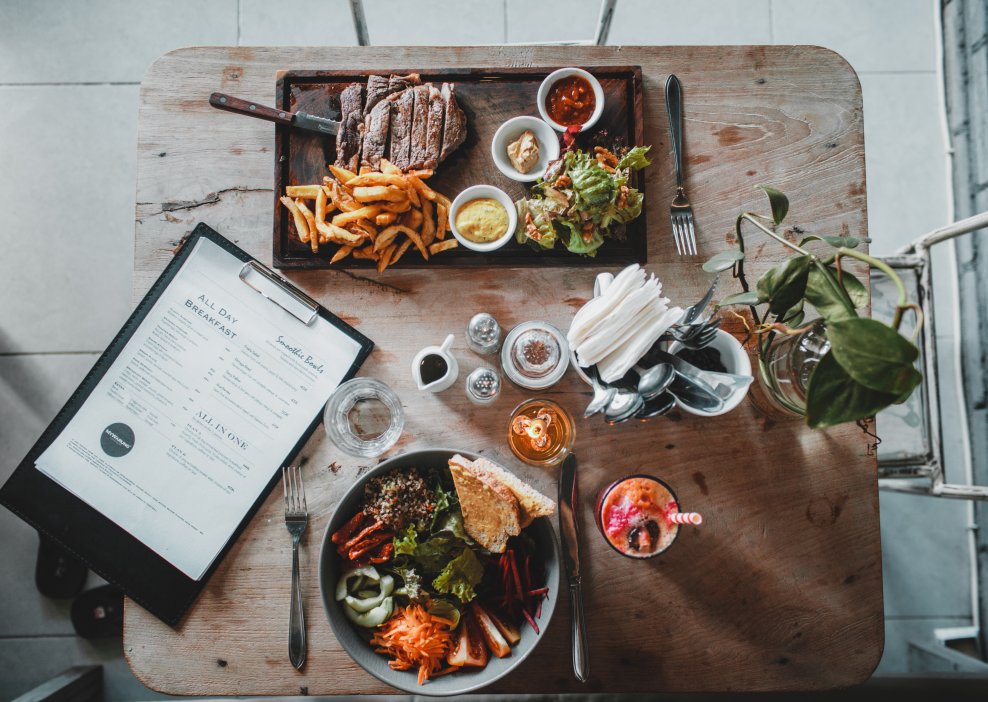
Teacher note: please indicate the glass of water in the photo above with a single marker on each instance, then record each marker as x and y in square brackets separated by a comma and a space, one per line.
[364, 417]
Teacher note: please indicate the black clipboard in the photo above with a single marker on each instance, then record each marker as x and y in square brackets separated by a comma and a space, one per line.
[100, 543]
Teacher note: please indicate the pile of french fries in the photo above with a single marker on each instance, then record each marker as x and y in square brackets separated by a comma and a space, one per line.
[381, 214]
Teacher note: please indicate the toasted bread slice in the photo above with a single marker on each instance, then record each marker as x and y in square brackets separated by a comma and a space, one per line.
[533, 504]
[491, 514]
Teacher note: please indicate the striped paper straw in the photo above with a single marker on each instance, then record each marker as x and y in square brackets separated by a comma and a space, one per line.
[693, 518]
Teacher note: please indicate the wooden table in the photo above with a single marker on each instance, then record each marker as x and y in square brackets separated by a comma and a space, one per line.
[780, 589]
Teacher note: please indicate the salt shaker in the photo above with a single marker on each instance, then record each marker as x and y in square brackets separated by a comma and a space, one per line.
[484, 334]
[483, 386]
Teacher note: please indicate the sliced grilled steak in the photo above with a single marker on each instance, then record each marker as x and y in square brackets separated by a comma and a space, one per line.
[350, 136]
[376, 127]
[401, 127]
[434, 128]
[455, 128]
[420, 145]
[398, 83]
[377, 90]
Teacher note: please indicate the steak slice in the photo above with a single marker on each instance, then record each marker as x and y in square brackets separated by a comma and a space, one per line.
[434, 128]
[377, 90]
[420, 145]
[350, 136]
[455, 128]
[376, 127]
[398, 83]
[402, 114]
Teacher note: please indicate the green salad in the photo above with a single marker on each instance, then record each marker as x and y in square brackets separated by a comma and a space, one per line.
[582, 200]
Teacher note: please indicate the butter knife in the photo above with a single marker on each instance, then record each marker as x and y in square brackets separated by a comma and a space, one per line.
[570, 532]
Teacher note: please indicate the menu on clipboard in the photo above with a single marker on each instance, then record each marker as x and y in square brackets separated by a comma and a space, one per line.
[210, 394]
[172, 441]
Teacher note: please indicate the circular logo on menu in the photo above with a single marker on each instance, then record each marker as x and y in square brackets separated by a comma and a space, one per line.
[117, 440]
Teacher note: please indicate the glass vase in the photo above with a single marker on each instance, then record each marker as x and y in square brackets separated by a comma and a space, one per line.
[787, 366]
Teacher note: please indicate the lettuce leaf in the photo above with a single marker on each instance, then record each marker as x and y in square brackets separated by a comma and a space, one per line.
[635, 159]
[405, 544]
[577, 245]
[460, 576]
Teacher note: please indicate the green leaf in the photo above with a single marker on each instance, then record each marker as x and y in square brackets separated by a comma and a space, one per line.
[784, 286]
[875, 355]
[723, 261]
[742, 298]
[826, 295]
[855, 290]
[460, 576]
[794, 317]
[778, 201]
[635, 159]
[834, 397]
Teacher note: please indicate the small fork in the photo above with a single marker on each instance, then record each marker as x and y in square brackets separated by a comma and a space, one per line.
[296, 519]
[680, 212]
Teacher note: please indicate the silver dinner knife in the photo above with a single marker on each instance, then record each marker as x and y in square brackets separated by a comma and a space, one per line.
[301, 120]
[570, 533]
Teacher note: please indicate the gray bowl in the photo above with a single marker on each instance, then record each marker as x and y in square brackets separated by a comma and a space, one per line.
[467, 679]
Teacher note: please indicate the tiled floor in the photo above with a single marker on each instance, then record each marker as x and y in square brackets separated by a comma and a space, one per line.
[68, 120]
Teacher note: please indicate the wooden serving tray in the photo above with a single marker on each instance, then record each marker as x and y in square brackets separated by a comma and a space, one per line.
[489, 97]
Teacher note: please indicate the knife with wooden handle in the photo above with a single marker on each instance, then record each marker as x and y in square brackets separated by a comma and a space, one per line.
[570, 533]
[302, 120]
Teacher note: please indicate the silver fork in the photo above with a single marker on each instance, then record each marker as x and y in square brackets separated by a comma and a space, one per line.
[680, 211]
[296, 519]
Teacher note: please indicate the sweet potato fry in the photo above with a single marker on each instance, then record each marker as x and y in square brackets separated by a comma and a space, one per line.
[413, 219]
[399, 181]
[426, 192]
[374, 193]
[364, 228]
[443, 246]
[301, 226]
[402, 248]
[366, 252]
[385, 260]
[442, 221]
[341, 253]
[367, 212]
[338, 235]
[321, 201]
[428, 223]
[342, 174]
[309, 192]
[398, 207]
[311, 221]
[387, 236]
[417, 240]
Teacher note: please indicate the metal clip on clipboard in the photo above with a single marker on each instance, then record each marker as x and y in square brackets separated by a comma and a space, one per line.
[305, 308]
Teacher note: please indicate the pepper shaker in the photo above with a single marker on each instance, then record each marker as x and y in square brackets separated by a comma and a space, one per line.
[484, 334]
[483, 386]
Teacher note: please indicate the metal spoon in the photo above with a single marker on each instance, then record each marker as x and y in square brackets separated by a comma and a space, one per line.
[624, 406]
[658, 405]
[723, 385]
[602, 394]
[691, 393]
[655, 380]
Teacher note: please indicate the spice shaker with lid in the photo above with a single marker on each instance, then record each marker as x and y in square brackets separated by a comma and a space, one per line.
[483, 334]
[483, 386]
[535, 355]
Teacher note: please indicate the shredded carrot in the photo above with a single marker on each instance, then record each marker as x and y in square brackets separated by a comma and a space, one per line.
[414, 637]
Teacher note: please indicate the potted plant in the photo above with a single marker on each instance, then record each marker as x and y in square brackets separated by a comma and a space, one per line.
[840, 367]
